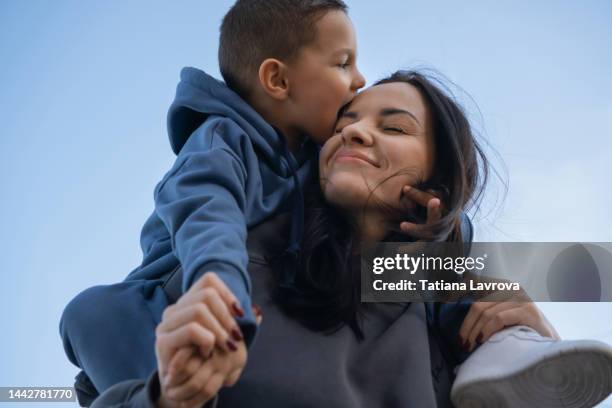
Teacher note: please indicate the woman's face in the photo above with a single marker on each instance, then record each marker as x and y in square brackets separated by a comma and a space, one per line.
[382, 142]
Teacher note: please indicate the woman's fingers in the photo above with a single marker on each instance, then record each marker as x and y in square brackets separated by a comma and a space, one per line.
[201, 386]
[206, 393]
[486, 318]
[232, 378]
[186, 370]
[491, 315]
[226, 329]
[167, 343]
[210, 279]
[193, 384]
[179, 360]
[470, 321]
[222, 313]
[504, 318]
[208, 313]
[257, 312]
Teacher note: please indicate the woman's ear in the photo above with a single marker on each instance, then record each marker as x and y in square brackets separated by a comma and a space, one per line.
[273, 78]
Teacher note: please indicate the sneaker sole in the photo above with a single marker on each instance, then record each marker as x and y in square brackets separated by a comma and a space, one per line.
[570, 378]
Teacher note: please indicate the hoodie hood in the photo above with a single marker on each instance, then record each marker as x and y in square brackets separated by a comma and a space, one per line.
[199, 95]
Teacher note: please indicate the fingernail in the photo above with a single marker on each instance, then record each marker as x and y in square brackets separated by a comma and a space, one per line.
[237, 334]
[465, 346]
[256, 310]
[166, 380]
[237, 310]
[231, 345]
[479, 338]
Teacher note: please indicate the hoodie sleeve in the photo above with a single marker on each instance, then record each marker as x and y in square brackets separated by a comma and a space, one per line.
[202, 203]
[142, 393]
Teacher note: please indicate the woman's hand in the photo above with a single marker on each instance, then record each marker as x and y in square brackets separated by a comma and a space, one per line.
[486, 318]
[188, 369]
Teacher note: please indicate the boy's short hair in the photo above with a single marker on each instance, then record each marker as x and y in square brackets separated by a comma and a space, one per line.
[253, 30]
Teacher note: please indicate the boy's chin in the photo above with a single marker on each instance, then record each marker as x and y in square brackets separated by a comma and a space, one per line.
[320, 139]
[322, 134]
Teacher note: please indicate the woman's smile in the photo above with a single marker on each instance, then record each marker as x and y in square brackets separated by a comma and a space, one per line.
[353, 156]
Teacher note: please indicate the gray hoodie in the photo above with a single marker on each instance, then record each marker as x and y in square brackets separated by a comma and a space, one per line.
[398, 364]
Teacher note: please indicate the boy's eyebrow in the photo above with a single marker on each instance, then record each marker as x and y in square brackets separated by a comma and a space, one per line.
[396, 111]
[344, 51]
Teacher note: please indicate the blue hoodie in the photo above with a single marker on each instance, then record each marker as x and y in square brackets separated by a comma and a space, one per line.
[232, 171]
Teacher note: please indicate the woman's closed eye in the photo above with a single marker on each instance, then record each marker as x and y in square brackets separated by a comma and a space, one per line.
[395, 129]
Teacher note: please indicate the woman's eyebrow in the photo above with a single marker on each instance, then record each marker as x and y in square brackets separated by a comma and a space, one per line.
[396, 111]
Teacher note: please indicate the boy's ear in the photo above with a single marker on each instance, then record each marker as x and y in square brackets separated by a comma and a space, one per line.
[273, 78]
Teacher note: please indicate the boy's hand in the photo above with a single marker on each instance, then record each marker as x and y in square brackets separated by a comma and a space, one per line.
[412, 197]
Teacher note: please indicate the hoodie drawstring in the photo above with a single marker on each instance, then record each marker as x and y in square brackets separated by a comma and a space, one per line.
[291, 253]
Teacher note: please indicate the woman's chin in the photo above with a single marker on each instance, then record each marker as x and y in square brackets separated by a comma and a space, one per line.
[346, 193]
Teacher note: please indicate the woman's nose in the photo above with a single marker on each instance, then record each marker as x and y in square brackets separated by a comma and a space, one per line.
[356, 134]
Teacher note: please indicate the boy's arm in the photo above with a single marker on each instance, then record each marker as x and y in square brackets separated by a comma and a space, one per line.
[202, 203]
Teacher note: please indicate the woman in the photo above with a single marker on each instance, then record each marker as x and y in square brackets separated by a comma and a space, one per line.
[319, 346]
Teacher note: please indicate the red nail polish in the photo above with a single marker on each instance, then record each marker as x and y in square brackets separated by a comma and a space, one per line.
[237, 310]
[232, 346]
[237, 334]
[256, 310]
[479, 338]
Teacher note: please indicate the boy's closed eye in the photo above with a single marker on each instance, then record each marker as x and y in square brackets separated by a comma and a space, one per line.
[344, 64]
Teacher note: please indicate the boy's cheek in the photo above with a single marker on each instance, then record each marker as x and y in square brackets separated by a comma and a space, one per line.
[321, 136]
[325, 139]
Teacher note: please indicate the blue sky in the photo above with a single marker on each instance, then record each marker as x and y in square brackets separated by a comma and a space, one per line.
[85, 90]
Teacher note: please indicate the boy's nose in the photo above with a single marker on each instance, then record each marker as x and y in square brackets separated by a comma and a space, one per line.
[358, 80]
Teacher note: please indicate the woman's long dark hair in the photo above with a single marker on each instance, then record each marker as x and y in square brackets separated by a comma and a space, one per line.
[326, 294]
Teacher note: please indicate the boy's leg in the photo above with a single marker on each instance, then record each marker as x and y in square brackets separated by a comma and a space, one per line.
[109, 330]
[518, 367]
[85, 391]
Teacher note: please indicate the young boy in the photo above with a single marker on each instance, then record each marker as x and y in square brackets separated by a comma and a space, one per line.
[243, 152]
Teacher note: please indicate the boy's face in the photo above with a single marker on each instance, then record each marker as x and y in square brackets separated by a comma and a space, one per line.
[324, 77]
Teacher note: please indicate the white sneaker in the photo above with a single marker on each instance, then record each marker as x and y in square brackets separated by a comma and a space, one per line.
[517, 367]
